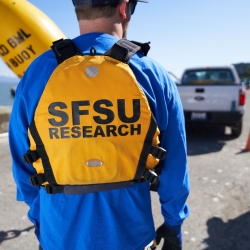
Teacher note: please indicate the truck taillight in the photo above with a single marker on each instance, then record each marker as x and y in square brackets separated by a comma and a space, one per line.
[242, 99]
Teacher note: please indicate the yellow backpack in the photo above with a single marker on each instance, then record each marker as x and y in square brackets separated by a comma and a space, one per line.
[93, 129]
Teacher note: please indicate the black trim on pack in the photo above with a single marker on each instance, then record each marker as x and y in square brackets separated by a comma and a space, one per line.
[84, 189]
[48, 173]
[145, 47]
[123, 50]
[64, 49]
[31, 156]
[146, 148]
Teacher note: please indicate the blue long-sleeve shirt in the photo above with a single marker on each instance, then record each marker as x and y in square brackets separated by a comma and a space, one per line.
[118, 219]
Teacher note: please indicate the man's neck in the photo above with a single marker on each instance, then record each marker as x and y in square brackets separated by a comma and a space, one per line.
[102, 25]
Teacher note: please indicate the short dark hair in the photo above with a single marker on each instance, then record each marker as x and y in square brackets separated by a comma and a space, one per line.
[88, 12]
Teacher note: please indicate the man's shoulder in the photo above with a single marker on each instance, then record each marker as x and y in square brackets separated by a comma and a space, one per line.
[46, 62]
[46, 57]
[147, 63]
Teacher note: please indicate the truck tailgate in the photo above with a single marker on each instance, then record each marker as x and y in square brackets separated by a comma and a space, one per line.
[209, 97]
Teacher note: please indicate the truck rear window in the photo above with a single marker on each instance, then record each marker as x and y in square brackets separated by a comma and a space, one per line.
[208, 77]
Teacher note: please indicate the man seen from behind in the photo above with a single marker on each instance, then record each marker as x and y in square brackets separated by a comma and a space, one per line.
[119, 218]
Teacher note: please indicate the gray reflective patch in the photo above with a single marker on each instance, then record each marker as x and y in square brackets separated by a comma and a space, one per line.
[91, 71]
[94, 163]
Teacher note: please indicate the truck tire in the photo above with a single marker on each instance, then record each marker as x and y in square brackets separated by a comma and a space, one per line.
[237, 129]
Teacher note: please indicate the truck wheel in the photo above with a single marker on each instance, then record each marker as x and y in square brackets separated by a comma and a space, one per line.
[237, 129]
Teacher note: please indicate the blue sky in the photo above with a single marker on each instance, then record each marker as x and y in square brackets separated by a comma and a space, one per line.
[184, 33]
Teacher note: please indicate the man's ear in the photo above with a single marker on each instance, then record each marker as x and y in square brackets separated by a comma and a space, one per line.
[123, 9]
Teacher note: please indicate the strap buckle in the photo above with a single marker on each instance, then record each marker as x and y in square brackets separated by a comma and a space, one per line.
[37, 180]
[158, 152]
[151, 176]
[30, 156]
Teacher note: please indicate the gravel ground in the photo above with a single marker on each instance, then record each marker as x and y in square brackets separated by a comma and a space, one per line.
[219, 200]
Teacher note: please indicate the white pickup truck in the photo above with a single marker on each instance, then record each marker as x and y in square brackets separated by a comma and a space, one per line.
[214, 96]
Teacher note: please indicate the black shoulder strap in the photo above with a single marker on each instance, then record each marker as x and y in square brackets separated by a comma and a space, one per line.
[64, 49]
[145, 47]
[123, 50]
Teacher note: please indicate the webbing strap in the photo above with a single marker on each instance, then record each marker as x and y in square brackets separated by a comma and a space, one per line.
[84, 189]
[64, 49]
[123, 50]
[50, 189]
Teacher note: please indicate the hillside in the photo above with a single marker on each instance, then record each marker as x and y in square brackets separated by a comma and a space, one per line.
[242, 68]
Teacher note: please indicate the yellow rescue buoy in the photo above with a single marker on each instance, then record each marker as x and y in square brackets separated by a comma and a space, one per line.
[25, 33]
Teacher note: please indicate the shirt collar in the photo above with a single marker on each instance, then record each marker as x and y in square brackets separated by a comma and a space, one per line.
[100, 41]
